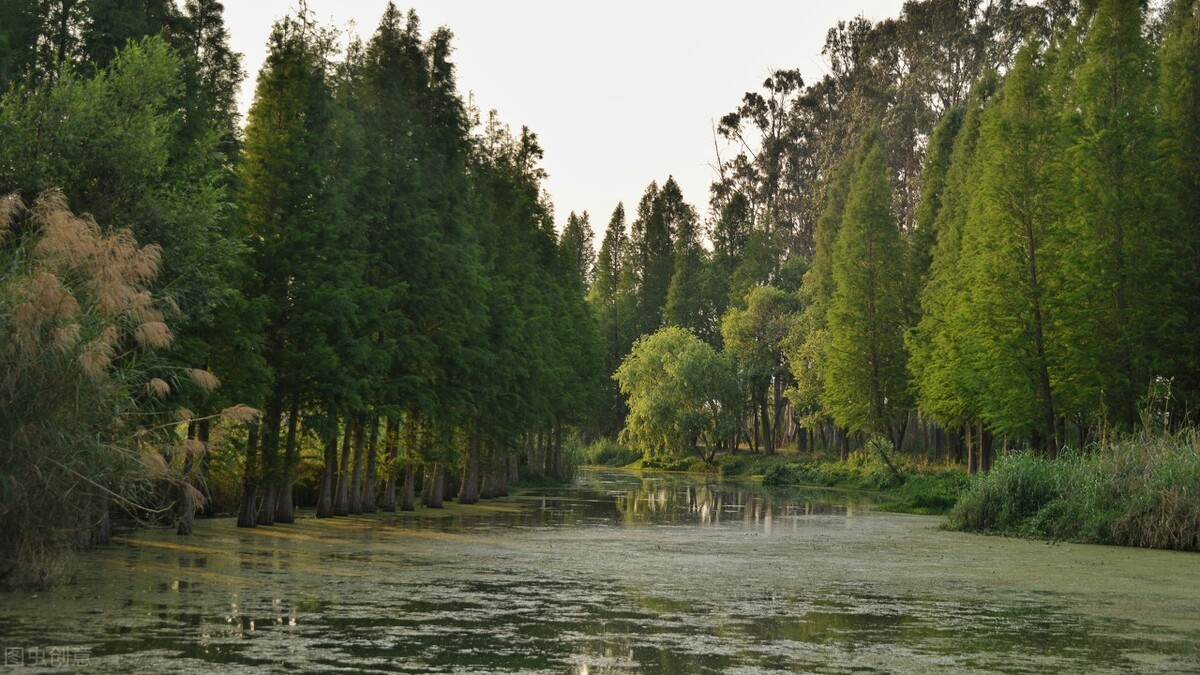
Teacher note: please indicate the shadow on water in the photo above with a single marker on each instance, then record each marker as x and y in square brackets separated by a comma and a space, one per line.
[617, 572]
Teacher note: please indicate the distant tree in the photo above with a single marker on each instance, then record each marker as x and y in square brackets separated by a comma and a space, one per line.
[682, 395]
[576, 247]
[754, 339]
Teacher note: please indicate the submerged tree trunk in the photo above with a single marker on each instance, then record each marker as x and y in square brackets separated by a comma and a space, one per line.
[248, 509]
[341, 505]
[370, 481]
[437, 485]
[469, 492]
[284, 510]
[391, 441]
[325, 500]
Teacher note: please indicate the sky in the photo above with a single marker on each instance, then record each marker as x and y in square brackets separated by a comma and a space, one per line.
[620, 93]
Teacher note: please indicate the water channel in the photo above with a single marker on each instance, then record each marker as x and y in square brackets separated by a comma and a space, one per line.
[617, 572]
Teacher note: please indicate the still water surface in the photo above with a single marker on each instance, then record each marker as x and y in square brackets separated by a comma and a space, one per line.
[618, 572]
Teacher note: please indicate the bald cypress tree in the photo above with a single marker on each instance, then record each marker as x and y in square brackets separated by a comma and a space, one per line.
[1118, 275]
[1011, 249]
[865, 384]
[1179, 144]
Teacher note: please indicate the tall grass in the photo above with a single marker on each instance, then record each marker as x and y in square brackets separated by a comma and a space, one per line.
[1137, 490]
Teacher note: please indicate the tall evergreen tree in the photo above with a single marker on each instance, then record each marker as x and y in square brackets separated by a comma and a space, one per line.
[1179, 110]
[1010, 245]
[1118, 274]
[866, 387]
[944, 387]
[576, 247]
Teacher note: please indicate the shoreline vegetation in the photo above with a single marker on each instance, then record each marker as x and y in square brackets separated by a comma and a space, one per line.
[1139, 490]
[946, 270]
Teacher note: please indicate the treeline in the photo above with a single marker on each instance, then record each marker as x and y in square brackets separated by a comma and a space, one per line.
[369, 270]
[981, 226]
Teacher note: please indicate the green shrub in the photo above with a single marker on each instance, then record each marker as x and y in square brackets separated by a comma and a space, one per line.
[608, 452]
[1139, 490]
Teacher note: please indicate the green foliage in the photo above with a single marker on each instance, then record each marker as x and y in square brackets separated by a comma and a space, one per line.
[683, 396]
[865, 383]
[608, 452]
[78, 336]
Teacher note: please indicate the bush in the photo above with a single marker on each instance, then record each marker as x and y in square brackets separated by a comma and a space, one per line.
[1139, 490]
[607, 452]
[78, 329]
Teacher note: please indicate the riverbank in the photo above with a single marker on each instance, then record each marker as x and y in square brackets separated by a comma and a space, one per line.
[913, 488]
[1139, 490]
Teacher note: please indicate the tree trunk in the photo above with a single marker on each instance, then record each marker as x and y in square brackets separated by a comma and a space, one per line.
[986, 440]
[768, 438]
[971, 465]
[514, 470]
[436, 487]
[325, 500]
[285, 509]
[557, 471]
[360, 444]
[186, 517]
[370, 483]
[207, 508]
[392, 438]
[341, 506]
[407, 495]
[469, 494]
[248, 509]
[270, 455]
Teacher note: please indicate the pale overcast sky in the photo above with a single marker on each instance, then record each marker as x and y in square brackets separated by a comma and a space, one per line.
[620, 92]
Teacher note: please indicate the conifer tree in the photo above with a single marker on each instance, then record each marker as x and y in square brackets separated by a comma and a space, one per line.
[1119, 271]
[943, 386]
[865, 384]
[575, 245]
[1179, 110]
[1009, 249]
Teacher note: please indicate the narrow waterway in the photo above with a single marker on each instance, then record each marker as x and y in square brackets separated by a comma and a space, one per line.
[617, 572]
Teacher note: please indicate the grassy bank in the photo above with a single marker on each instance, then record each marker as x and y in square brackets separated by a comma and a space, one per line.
[1140, 490]
[917, 489]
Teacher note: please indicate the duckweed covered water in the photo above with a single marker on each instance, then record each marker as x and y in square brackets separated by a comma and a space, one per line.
[616, 573]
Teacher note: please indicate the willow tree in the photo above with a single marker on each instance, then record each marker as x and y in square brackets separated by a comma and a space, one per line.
[866, 387]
